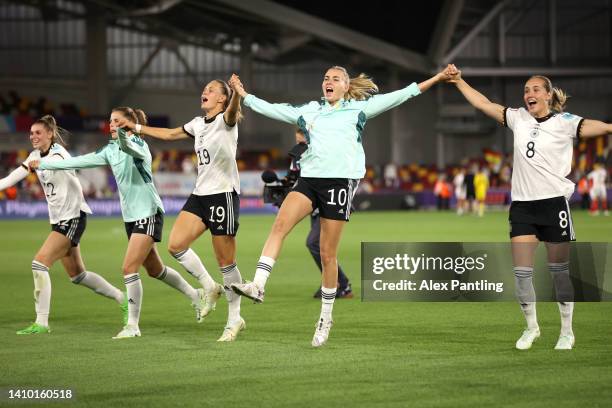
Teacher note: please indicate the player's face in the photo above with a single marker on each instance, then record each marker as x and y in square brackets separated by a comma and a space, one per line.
[40, 137]
[334, 85]
[212, 97]
[537, 98]
[115, 118]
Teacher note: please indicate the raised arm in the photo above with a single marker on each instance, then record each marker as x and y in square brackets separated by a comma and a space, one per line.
[132, 145]
[279, 111]
[233, 109]
[475, 98]
[158, 133]
[14, 177]
[593, 128]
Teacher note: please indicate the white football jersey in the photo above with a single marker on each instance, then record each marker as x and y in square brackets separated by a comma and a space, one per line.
[215, 144]
[598, 178]
[543, 150]
[62, 187]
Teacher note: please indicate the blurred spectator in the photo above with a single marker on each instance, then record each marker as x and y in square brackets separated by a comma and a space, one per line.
[442, 191]
[583, 190]
[188, 164]
[391, 176]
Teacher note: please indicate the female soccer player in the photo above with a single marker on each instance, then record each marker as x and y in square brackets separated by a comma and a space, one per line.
[214, 204]
[68, 216]
[130, 160]
[543, 140]
[330, 170]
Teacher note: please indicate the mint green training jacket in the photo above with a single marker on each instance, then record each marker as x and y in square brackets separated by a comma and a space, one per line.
[334, 132]
[130, 160]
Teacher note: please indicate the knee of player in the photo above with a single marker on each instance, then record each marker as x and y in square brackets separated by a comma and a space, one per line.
[174, 248]
[280, 227]
[327, 256]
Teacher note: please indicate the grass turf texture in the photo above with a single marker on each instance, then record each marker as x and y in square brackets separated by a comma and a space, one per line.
[379, 354]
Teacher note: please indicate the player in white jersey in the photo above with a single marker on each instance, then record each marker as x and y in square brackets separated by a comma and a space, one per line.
[460, 190]
[597, 179]
[543, 145]
[214, 204]
[68, 216]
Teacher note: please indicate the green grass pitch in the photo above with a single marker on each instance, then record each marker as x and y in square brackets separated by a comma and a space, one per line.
[378, 355]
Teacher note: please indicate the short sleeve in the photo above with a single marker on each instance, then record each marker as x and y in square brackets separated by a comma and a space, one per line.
[190, 128]
[511, 117]
[571, 124]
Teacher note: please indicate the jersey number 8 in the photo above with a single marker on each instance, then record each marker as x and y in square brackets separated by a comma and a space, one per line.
[563, 219]
[530, 149]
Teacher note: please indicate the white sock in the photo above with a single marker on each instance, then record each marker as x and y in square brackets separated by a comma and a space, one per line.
[525, 293]
[262, 273]
[529, 311]
[192, 264]
[134, 292]
[231, 274]
[174, 279]
[42, 293]
[328, 295]
[566, 309]
[99, 285]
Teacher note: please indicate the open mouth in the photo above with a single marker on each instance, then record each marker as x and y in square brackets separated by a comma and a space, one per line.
[204, 99]
[329, 91]
[531, 102]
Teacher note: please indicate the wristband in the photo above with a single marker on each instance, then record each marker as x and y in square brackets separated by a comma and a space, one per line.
[138, 128]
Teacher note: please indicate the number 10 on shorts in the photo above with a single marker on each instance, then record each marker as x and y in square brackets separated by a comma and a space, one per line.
[342, 196]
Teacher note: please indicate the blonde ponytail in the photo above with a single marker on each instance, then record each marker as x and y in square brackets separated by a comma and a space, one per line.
[559, 100]
[559, 97]
[50, 124]
[360, 88]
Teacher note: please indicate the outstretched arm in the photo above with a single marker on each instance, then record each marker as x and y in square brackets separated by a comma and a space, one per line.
[279, 111]
[158, 133]
[475, 98]
[378, 104]
[85, 161]
[593, 128]
[13, 178]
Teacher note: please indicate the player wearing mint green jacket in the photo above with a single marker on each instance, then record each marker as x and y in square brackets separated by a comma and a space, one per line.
[130, 160]
[331, 168]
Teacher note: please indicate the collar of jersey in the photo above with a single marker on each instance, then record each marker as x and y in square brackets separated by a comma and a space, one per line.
[545, 118]
[211, 120]
[341, 102]
[43, 154]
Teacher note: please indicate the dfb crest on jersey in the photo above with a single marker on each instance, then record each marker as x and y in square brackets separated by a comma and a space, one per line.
[534, 132]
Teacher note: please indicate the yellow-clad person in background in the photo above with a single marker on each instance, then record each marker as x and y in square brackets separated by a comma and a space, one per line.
[481, 185]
